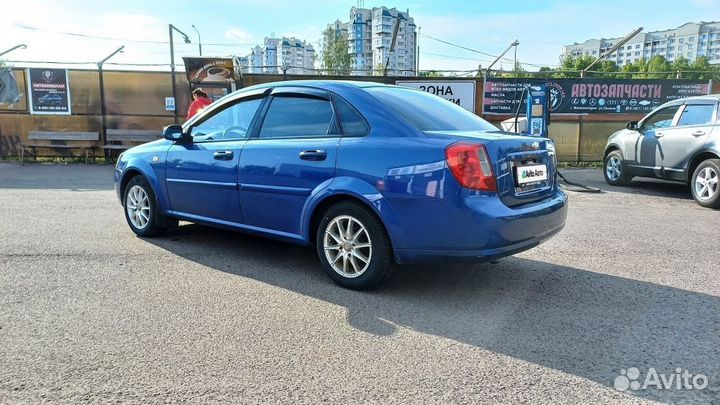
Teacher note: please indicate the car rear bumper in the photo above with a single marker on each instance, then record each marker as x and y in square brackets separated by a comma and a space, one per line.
[494, 230]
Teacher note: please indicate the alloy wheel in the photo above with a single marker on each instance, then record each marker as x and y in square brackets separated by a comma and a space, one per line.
[347, 246]
[138, 207]
[706, 184]
[613, 168]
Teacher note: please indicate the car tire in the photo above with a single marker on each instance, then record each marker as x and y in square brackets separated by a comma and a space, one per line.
[353, 246]
[142, 212]
[704, 183]
[614, 169]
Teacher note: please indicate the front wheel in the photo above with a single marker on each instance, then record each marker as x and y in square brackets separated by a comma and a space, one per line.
[704, 183]
[141, 209]
[353, 246]
[615, 171]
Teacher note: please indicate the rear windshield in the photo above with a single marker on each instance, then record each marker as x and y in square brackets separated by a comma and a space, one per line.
[427, 112]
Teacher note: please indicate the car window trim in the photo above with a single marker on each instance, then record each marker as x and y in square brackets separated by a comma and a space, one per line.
[255, 135]
[249, 97]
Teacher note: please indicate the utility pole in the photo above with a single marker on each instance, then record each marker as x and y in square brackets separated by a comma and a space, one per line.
[103, 111]
[515, 43]
[21, 46]
[583, 73]
[172, 64]
[199, 40]
[392, 45]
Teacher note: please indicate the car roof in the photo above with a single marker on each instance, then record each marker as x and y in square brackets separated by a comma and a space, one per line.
[320, 84]
[706, 98]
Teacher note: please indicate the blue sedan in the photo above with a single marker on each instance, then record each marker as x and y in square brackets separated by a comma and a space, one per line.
[370, 175]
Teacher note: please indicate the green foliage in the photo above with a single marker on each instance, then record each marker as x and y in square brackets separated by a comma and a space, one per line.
[430, 73]
[334, 50]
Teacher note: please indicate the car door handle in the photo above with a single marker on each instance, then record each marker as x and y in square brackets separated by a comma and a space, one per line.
[659, 134]
[313, 155]
[698, 133]
[223, 155]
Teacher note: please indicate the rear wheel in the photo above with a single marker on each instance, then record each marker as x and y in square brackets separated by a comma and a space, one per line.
[615, 171]
[353, 247]
[704, 183]
[141, 209]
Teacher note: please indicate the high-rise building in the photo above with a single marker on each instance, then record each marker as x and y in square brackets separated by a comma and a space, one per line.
[278, 54]
[688, 40]
[370, 33]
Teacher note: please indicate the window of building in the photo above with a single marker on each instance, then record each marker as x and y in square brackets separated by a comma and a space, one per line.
[691, 39]
[637, 53]
[637, 46]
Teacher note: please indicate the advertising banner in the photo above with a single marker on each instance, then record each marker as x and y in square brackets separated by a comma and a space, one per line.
[588, 96]
[209, 70]
[460, 92]
[49, 91]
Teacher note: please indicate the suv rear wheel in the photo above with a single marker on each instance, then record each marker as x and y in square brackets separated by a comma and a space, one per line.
[704, 183]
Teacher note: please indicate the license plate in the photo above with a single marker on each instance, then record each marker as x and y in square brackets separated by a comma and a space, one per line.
[530, 174]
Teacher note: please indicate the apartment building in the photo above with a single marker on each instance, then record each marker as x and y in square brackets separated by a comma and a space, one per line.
[278, 54]
[689, 40]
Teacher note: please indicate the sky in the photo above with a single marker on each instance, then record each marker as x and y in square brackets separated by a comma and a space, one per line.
[232, 27]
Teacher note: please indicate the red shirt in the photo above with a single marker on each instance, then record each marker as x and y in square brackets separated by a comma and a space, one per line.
[197, 106]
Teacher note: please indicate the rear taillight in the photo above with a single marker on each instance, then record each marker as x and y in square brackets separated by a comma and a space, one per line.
[470, 165]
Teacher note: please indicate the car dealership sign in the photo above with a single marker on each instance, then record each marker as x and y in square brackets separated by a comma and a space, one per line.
[49, 91]
[460, 92]
[583, 96]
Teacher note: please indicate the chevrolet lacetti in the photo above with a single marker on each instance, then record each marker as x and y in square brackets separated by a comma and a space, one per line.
[369, 174]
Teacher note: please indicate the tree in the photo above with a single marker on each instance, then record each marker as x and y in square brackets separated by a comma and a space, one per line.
[334, 49]
[430, 73]
[658, 63]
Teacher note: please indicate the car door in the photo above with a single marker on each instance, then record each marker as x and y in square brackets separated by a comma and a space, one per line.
[291, 154]
[202, 175]
[680, 141]
[648, 153]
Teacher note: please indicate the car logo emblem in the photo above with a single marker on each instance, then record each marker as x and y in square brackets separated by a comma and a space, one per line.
[535, 145]
[48, 75]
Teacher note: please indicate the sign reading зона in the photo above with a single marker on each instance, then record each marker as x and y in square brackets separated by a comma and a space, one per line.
[49, 91]
[460, 92]
[583, 96]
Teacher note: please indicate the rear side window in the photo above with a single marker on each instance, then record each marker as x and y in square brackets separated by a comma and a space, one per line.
[353, 123]
[427, 112]
[697, 114]
[291, 116]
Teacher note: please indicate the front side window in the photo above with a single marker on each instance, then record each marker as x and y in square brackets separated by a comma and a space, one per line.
[427, 112]
[660, 119]
[298, 116]
[230, 123]
[697, 114]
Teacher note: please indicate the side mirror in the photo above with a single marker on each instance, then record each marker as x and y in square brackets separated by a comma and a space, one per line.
[632, 125]
[174, 133]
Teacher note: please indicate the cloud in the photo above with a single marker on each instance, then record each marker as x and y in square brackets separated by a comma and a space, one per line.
[240, 35]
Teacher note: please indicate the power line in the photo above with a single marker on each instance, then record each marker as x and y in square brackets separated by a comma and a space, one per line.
[139, 41]
[476, 51]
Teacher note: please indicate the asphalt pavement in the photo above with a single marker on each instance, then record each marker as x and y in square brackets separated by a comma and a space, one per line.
[90, 313]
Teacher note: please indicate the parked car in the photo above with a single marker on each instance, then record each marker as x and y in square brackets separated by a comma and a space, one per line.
[51, 99]
[680, 141]
[369, 174]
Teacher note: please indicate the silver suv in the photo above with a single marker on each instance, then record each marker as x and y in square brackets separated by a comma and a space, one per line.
[680, 141]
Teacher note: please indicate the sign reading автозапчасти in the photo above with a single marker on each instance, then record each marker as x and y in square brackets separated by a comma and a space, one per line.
[583, 96]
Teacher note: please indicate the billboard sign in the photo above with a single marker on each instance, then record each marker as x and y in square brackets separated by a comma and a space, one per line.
[588, 96]
[49, 91]
[460, 92]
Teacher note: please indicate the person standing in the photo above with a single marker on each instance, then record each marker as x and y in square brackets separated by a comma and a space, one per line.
[200, 101]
